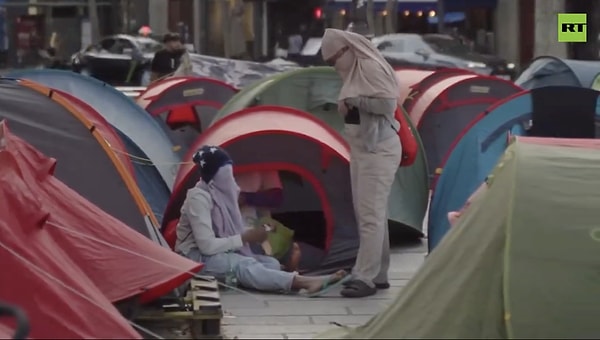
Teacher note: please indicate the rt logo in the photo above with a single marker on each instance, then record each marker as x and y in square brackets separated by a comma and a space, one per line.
[572, 27]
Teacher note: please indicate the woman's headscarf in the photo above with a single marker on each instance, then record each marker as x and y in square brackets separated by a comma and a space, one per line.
[216, 170]
[363, 69]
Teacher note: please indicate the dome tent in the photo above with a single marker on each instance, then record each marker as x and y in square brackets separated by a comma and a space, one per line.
[185, 106]
[69, 260]
[553, 111]
[120, 111]
[444, 109]
[313, 163]
[520, 264]
[553, 71]
[47, 121]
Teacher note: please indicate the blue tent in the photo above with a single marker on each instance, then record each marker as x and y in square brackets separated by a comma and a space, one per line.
[148, 179]
[120, 111]
[555, 111]
[552, 71]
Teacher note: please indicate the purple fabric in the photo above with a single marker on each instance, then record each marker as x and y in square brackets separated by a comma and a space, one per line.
[270, 198]
[226, 216]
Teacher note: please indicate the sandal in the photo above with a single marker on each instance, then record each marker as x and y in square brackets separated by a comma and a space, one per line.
[358, 289]
[328, 285]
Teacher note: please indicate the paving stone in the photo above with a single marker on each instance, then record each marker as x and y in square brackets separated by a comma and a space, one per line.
[370, 309]
[346, 320]
[277, 316]
[398, 282]
[321, 302]
[268, 320]
[300, 336]
[255, 336]
[243, 301]
[290, 309]
[281, 329]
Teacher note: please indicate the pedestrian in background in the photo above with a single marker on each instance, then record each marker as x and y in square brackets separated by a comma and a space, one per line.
[167, 60]
[295, 44]
[368, 101]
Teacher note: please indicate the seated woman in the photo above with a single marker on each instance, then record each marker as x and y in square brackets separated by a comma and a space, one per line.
[211, 231]
[262, 191]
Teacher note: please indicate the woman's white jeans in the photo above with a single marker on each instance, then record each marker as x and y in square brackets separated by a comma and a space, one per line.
[260, 272]
[372, 175]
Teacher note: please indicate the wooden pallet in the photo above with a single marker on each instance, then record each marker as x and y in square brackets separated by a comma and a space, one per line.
[197, 316]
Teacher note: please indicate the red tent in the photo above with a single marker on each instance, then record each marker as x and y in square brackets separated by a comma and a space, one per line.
[408, 78]
[45, 218]
[185, 106]
[313, 164]
[6, 332]
[42, 276]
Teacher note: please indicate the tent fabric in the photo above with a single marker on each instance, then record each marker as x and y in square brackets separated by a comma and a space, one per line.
[596, 83]
[521, 263]
[446, 108]
[120, 111]
[408, 78]
[477, 149]
[172, 91]
[237, 73]
[184, 106]
[86, 163]
[553, 71]
[106, 130]
[418, 88]
[315, 90]
[147, 177]
[68, 259]
[313, 161]
[425, 98]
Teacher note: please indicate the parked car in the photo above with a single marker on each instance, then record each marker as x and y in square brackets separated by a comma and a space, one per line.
[441, 51]
[118, 59]
[311, 56]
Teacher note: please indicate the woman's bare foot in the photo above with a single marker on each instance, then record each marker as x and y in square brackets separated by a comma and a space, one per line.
[317, 283]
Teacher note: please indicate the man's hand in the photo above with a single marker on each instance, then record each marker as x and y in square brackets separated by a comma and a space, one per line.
[255, 235]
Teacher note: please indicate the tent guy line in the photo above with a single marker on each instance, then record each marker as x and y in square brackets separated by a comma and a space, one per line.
[146, 161]
[77, 233]
[69, 288]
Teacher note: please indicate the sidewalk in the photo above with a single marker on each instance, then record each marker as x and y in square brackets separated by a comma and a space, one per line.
[262, 316]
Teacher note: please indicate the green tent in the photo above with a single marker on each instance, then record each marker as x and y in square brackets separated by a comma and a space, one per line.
[315, 90]
[522, 262]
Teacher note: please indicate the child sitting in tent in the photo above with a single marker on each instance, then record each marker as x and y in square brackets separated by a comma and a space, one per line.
[211, 230]
[454, 216]
[262, 191]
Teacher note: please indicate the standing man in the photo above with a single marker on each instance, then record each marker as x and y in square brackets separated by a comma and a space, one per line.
[167, 60]
[295, 44]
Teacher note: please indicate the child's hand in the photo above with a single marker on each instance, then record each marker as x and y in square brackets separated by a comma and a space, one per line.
[269, 227]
